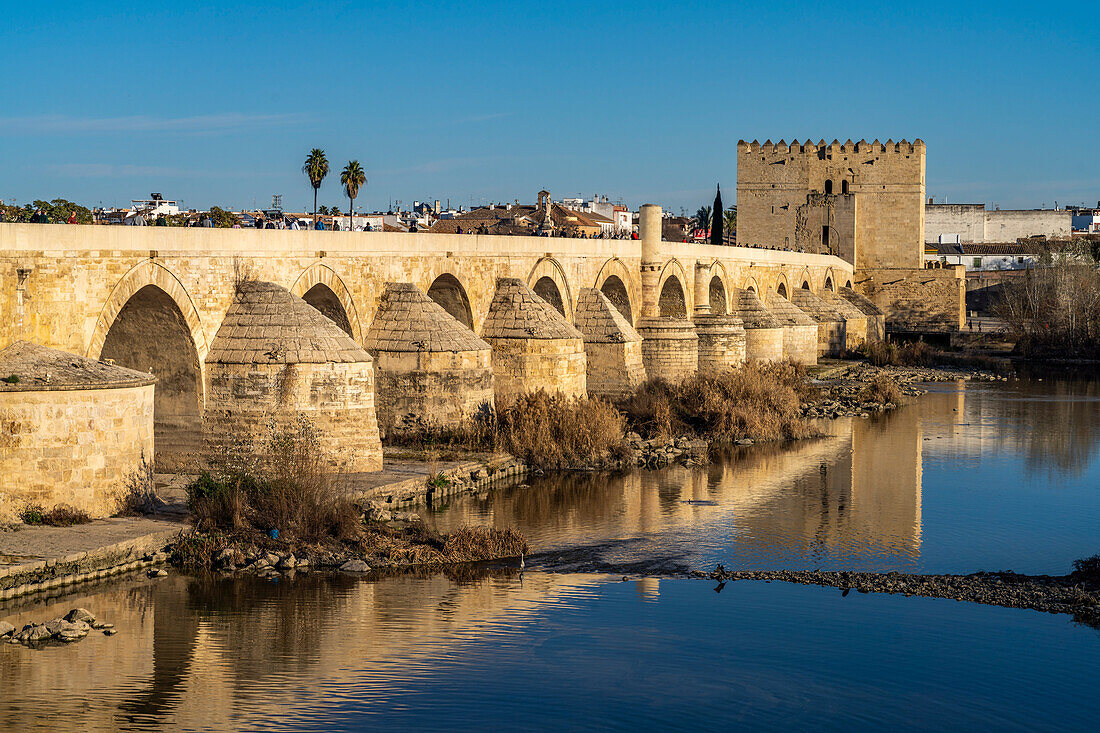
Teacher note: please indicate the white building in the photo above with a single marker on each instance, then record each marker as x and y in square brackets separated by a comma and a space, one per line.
[973, 223]
[983, 257]
[1086, 221]
[154, 206]
[620, 216]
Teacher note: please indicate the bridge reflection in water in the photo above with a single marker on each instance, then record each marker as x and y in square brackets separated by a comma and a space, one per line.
[849, 500]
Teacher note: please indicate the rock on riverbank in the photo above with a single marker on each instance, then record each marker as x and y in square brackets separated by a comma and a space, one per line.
[73, 626]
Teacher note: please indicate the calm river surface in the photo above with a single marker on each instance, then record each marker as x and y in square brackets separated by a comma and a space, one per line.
[965, 478]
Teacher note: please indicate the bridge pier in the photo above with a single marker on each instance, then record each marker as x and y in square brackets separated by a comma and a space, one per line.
[799, 330]
[534, 347]
[613, 349]
[670, 346]
[763, 331]
[275, 359]
[831, 331]
[429, 368]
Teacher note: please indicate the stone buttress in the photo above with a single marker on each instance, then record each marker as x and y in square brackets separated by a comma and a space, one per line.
[72, 430]
[534, 347]
[855, 320]
[876, 318]
[799, 330]
[831, 337]
[429, 368]
[613, 348]
[275, 360]
[721, 342]
[763, 331]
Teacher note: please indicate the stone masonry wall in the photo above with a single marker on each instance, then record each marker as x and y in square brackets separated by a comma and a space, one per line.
[338, 398]
[721, 343]
[528, 365]
[764, 344]
[74, 447]
[800, 344]
[614, 370]
[670, 348]
[918, 299]
[439, 387]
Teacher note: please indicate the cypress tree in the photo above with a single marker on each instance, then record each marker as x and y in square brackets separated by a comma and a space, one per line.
[717, 220]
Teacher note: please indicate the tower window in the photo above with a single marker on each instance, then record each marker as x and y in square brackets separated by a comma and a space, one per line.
[844, 187]
[825, 236]
[828, 186]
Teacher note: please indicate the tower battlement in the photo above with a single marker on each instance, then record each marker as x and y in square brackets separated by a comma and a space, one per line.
[797, 148]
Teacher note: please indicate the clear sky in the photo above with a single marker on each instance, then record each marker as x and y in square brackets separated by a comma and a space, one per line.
[218, 103]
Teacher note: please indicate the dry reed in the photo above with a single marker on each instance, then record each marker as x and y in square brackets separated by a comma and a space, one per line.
[759, 401]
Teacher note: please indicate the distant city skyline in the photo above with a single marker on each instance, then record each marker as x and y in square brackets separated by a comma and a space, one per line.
[216, 105]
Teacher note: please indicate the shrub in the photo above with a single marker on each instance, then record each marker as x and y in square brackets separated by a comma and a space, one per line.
[286, 486]
[139, 495]
[759, 401]
[921, 354]
[1088, 567]
[882, 389]
[60, 516]
[549, 430]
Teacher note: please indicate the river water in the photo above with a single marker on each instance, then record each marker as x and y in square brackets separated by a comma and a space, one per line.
[968, 477]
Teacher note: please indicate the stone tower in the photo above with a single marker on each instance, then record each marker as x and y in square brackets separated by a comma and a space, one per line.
[861, 201]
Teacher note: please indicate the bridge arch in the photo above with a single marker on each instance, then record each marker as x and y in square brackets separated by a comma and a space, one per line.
[782, 286]
[674, 300]
[751, 283]
[321, 287]
[447, 290]
[829, 282]
[616, 281]
[719, 289]
[149, 323]
[149, 272]
[548, 280]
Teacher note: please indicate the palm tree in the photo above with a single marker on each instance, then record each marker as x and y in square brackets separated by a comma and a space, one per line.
[315, 168]
[702, 218]
[731, 221]
[352, 177]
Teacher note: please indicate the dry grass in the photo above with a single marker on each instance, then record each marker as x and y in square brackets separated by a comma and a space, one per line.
[288, 485]
[920, 354]
[139, 495]
[543, 430]
[758, 401]
[473, 544]
[59, 516]
[552, 431]
[882, 389]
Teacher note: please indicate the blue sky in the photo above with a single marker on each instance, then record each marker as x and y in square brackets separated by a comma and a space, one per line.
[218, 103]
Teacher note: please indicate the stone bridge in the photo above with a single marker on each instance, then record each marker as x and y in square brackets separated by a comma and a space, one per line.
[65, 286]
